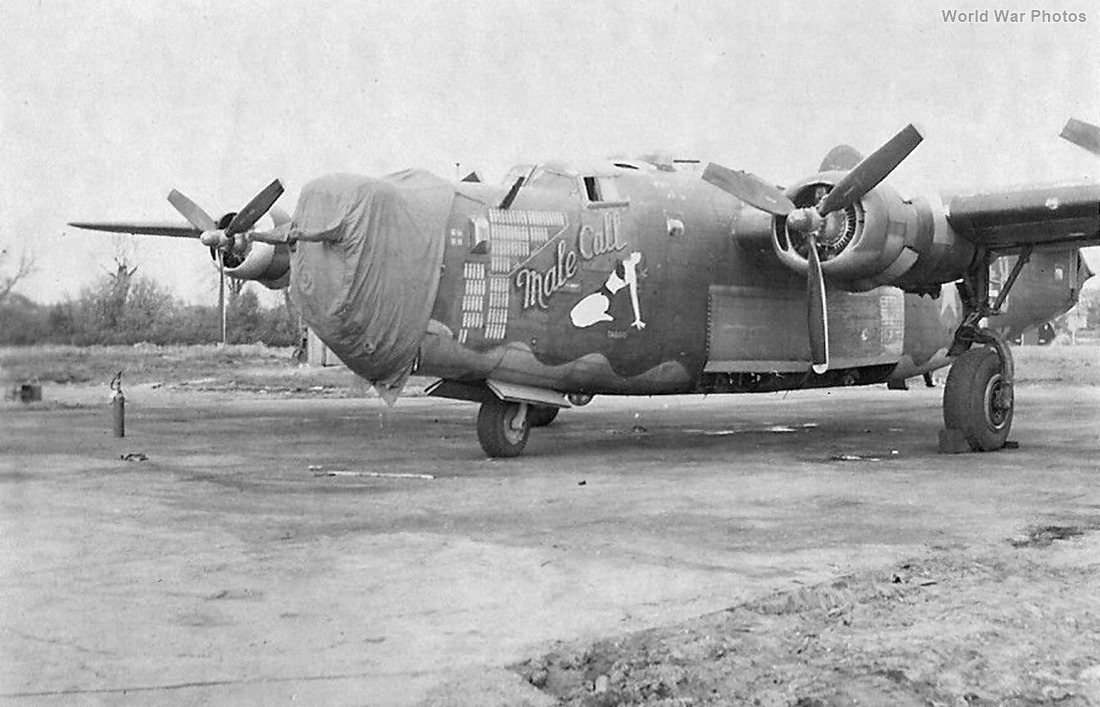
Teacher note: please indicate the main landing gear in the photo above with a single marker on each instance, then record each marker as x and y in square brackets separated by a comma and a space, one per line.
[978, 401]
[978, 398]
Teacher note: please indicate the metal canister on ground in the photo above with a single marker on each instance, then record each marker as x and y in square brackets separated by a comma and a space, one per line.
[118, 406]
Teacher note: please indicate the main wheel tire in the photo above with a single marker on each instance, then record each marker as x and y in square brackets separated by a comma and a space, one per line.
[503, 428]
[542, 415]
[977, 400]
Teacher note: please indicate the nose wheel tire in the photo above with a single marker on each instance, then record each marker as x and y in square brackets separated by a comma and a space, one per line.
[503, 427]
[542, 415]
[978, 401]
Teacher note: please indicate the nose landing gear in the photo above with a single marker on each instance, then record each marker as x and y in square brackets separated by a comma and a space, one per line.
[503, 427]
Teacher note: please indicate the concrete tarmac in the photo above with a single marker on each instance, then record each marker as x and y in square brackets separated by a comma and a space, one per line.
[277, 551]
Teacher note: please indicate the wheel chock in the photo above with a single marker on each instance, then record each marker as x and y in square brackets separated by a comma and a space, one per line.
[953, 441]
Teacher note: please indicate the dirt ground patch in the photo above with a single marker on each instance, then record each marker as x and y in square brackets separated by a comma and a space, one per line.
[1044, 535]
[1012, 628]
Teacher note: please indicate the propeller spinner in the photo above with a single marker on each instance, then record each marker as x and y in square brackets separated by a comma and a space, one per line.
[812, 221]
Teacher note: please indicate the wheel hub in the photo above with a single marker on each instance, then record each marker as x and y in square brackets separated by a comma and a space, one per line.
[998, 402]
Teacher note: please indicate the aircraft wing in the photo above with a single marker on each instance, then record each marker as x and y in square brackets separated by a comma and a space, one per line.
[147, 228]
[1060, 216]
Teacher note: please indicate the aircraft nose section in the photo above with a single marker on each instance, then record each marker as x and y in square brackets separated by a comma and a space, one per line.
[366, 268]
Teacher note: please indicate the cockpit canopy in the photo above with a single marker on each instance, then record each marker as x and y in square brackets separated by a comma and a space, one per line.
[594, 183]
[599, 183]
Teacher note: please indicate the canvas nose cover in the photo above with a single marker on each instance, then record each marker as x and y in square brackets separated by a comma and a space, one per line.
[366, 268]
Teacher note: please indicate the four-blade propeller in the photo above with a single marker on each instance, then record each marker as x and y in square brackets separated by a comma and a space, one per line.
[812, 221]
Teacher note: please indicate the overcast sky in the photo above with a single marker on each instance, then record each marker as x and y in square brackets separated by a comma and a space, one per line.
[106, 106]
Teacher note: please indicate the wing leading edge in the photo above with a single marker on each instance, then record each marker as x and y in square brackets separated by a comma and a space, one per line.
[1061, 216]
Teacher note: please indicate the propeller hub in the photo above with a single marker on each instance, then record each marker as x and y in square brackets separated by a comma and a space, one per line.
[214, 239]
[805, 220]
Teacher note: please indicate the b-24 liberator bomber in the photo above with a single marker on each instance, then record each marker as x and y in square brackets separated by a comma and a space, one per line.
[637, 277]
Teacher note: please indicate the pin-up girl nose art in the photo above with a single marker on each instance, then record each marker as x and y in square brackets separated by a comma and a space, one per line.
[596, 307]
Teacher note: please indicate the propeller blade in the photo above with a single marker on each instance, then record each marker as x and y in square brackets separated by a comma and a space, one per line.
[146, 228]
[872, 170]
[817, 318]
[1082, 134]
[221, 294]
[191, 211]
[247, 217]
[750, 189]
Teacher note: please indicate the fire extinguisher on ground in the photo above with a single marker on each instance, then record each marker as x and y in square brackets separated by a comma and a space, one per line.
[118, 406]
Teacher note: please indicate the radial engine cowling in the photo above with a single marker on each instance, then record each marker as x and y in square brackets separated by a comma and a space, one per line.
[266, 263]
[881, 239]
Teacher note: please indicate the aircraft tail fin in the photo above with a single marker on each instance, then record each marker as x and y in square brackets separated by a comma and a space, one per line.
[841, 158]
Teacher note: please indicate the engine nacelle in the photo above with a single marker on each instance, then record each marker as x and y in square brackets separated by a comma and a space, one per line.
[263, 262]
[883, 239]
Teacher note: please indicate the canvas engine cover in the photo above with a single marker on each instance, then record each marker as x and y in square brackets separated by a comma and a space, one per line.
[367, 265]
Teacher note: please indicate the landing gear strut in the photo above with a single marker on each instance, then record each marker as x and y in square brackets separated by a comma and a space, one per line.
[978, 398]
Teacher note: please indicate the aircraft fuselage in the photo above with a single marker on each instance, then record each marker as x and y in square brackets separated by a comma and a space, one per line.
[640, 281]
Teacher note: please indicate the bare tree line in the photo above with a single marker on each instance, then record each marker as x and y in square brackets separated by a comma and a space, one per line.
[122, 307]
[23, 267]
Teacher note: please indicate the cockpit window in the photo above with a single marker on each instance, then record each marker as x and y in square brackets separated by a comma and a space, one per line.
[520, 170]
[548, 179]
[603, 189]
[599, 190]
